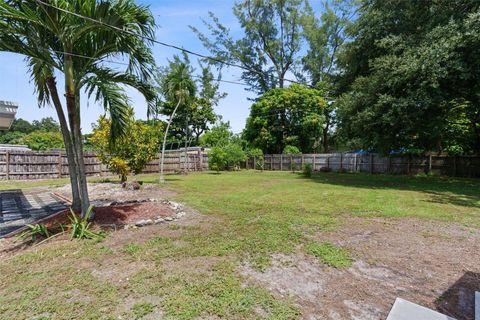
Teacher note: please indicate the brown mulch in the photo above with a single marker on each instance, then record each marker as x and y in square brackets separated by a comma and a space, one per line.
[121, 214]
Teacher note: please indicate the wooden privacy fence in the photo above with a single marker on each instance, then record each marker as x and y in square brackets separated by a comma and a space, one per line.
[27, 165]
[462, 166]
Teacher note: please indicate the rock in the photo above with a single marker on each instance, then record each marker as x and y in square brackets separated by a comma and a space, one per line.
[159, 220]
[168, 219]
[145, 222]
[181, 214]
[134, 185]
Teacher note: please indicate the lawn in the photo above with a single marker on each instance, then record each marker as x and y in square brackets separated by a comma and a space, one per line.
[200, 268]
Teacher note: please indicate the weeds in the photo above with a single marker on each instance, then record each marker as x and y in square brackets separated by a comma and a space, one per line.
[34, 231]
[81, 227]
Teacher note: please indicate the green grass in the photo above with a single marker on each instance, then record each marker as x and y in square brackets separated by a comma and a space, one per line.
[329, 254]
[251, 215]
[140, 310]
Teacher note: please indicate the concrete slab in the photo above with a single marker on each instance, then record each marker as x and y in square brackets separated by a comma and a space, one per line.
[406, 310]
[477, 305]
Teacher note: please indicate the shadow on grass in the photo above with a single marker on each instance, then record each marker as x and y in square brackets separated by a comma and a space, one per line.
[443, 190]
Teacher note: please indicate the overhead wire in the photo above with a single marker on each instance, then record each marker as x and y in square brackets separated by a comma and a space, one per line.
[191, 52]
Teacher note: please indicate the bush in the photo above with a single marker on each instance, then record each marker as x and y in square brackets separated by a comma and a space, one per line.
[39, 140]
[259, 159]
[307, 170]
[217, 159]
[234, 156]
[131, 152]
[291, 150]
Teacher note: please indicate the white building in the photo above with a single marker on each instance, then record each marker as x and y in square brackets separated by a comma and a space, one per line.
[8, 110]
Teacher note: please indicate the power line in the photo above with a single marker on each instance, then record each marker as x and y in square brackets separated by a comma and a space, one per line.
[161, 42]
[126, 64]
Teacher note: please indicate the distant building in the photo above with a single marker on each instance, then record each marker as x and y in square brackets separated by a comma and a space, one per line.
[8, 110]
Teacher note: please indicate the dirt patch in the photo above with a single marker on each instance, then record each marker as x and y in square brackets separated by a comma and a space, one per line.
[433, 264]
[104, 193]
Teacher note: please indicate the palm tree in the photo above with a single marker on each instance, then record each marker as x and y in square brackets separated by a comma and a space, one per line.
[55, 41]
[177, 88]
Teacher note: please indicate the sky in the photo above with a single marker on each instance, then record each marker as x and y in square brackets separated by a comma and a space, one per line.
[173, 18]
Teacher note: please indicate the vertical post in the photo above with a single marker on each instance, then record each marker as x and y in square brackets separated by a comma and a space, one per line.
[60, 165]
[341, 161]
[455, 166]
[313, 164]
[328, 161]
[291, 163]
[200, 160]
[281, 162]
[408, 164]
[254, 163]
[302, 161]
[389, 169]
[7, 164]
[430, 163]
[371, 163]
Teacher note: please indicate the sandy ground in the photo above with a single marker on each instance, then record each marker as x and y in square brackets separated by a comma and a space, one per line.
[433, 264]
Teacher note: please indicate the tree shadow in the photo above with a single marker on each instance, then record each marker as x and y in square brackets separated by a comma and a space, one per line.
[458, 300]
[444, 190]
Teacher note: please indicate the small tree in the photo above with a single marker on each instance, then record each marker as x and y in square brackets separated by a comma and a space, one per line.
[132, 152]
[40, 140]
[234, 155]
[217, 159]
[289, 149]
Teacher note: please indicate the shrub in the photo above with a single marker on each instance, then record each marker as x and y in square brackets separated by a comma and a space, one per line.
[217, 159]
[39, 140]
[34, 231]
[131, 152]
[234, 156]
[259, 159]
[307, 170]
[291, 150]
[81, 226]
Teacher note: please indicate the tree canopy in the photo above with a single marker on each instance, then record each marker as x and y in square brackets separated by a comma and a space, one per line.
[289, 116]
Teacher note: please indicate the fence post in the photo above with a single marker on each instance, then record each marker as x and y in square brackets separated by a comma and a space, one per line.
[341, 161]
[7, 164]
[389, 164]
[281, 162]
[302, 161]
[200, 160]
[454, 165]
[327, 160]
[313, 164]
[291, 163]
[254, 163]
[371, 163]
[60, 165]
[429, 163]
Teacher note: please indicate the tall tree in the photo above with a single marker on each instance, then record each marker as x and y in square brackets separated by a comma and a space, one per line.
[412, 77]
[271, 41]
[178, 90]
[289, 116]
[325, 36]
[55, 38]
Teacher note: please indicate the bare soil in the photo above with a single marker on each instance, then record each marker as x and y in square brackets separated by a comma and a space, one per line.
[434, 264]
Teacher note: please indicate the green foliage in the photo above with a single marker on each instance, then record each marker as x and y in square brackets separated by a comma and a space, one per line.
[411, 76]
[272, 38]
[259, 159]
[40, 140]
[130, 153]
[34, 231]
[217, 159]
[140, 310]
[194, 101]
[234, 155]
[307, 170]
[218, 136]
[289, 116]
[331, 255]
[80, 227]
[291, 150]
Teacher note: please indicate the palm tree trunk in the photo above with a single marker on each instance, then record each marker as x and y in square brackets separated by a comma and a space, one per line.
[73, 108]
[162, 157]
[72, 168]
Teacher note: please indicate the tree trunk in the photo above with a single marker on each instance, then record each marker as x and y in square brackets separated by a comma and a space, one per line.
[162, 157]
[73, 108]
[72, 167]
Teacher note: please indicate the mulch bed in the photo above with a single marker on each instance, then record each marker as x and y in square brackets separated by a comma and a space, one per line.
[121, 214]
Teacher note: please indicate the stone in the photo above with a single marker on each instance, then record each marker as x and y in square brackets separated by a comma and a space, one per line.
[181, 214]
[145, 222]
[133, 185]
[168, 219]
[159, 220]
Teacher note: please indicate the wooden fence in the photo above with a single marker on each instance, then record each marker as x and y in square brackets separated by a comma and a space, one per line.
[27, 165]
[462, 166]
